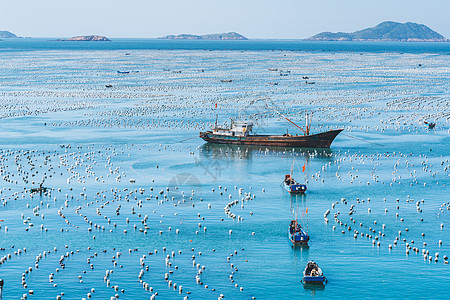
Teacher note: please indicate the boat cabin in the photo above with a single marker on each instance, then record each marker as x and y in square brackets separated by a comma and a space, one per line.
[238, 128]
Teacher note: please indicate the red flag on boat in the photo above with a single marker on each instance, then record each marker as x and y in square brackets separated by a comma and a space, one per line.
[306, 210]
[304, 167]
[216, 105]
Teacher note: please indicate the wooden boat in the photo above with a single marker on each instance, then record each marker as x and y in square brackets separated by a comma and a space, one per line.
[41, 189]
[292, 186]
[313, 274]
[239, 134]
[431, 125]
[296, 234]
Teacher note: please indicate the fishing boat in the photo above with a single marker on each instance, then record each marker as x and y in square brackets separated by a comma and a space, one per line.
[431, 125]
[290, 185]
[240, 134]
[297, 234]
[41, 189]
[313, 274]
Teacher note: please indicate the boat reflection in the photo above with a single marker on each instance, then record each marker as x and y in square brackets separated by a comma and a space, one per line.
[314, 287]
[299, 247]
[238, 152]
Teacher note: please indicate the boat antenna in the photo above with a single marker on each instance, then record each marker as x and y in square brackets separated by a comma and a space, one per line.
[287, 119]
[215, 125]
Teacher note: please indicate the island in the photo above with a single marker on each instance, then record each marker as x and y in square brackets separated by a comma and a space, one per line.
[7, 35]
[385, 31]
[87, 38]
[215, 36]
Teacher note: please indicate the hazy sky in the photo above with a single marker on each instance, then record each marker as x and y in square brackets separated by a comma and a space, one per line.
[283, 19]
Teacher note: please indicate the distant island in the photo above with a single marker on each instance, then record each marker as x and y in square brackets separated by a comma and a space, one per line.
[87, 38]
[216, 36]
[7, 35]
[386, 31]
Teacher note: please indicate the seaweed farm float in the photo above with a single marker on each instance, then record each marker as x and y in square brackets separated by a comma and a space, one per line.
[239, 134]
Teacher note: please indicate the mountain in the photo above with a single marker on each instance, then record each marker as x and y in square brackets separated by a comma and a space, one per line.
[88, 38]
[216, 36]
[386, 31]
[7, 34]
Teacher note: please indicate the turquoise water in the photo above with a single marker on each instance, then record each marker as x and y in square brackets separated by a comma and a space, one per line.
[26, 44]
[134, 147]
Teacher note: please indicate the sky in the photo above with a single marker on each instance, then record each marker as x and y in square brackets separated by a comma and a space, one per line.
[264, 19]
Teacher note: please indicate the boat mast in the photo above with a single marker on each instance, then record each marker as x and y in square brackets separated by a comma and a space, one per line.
[215, 125]
[288, 119]
[307, 124]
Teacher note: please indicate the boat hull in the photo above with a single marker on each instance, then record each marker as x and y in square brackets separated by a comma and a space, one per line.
[314, 279]
[301, 239]
[295, 188]
[320, 140]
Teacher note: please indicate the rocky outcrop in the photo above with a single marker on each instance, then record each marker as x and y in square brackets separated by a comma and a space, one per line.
[88, 38]
[215, 36]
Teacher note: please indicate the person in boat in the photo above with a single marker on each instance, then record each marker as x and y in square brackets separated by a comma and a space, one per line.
[288, 180]
[40, 188]
[314, 272]
[293, 228]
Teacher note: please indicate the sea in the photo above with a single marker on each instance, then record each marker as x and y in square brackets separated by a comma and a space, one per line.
[135, 205]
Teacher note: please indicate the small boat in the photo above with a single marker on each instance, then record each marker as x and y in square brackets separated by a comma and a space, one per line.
[292, 186]
[123, 72]
[226, 80]
[431, 125]
[297, 234]
[313, 274]
[41, 189]
[108, 85]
